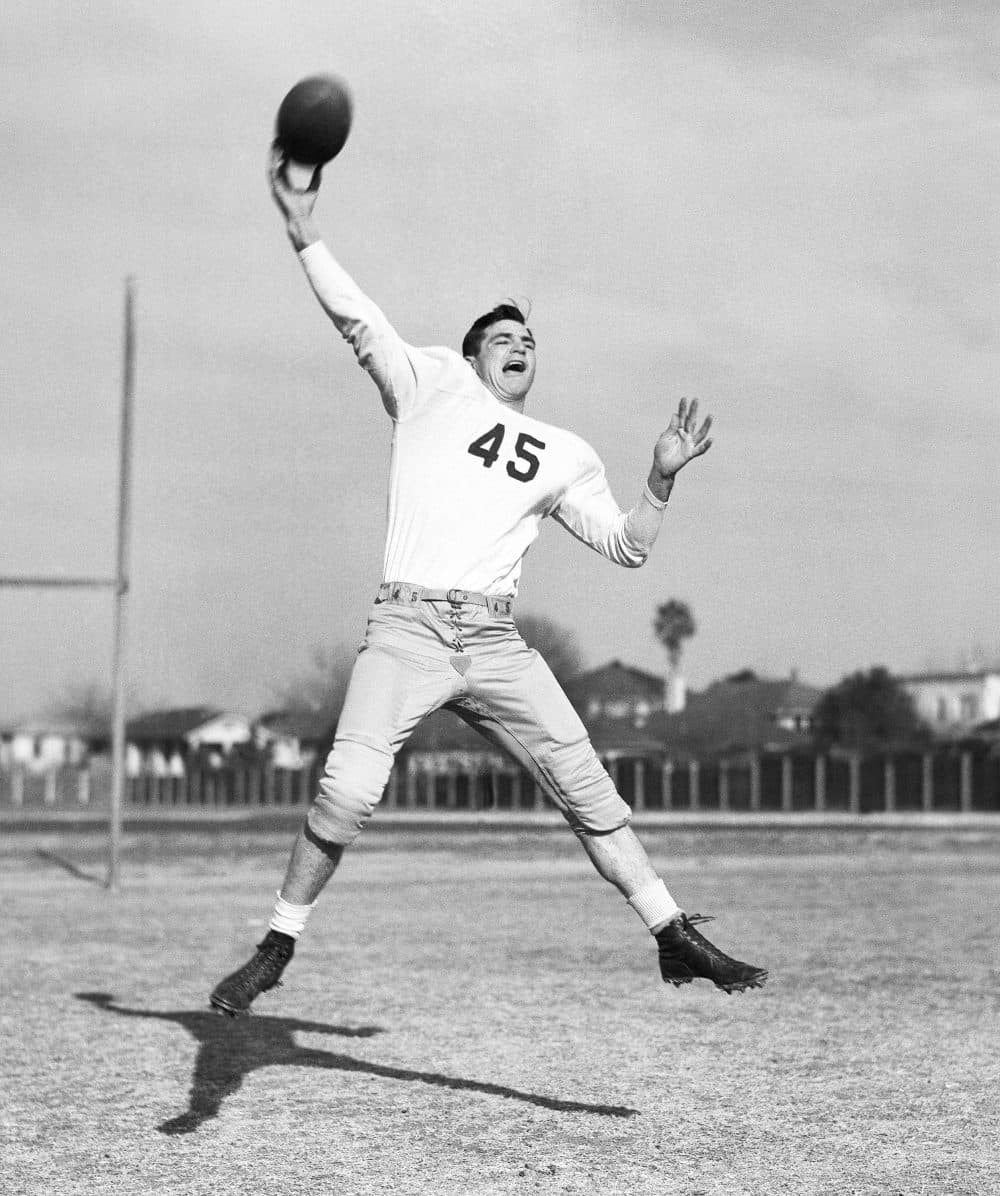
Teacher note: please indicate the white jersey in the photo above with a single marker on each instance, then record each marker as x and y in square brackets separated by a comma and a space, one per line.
[470, 478]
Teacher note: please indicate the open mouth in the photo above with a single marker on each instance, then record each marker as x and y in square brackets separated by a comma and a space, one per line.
[515, 367]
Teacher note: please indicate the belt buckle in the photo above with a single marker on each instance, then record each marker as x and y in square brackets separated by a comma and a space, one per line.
[456, 597]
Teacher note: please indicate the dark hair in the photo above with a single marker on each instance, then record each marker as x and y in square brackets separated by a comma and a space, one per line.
[473, 339]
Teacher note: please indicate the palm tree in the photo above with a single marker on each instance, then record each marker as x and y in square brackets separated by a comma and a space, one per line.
[674, 623]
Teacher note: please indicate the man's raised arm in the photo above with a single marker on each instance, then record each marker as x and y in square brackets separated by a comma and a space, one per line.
[589, 510]
[376, 344]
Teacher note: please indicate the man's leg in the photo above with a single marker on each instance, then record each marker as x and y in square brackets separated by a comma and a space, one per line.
[310, 866]
[622, 860]
[572, 772]
[519, 705]
[684, 954]
[523, 708]
[389, 692]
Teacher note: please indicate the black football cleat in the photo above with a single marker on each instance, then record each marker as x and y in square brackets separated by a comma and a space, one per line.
[235, 994]
[686, 955]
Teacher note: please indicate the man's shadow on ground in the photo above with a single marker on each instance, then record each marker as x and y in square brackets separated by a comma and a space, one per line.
[229, 1049]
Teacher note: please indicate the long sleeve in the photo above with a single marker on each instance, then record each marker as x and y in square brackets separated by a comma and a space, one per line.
[392, 364]
[588, 510]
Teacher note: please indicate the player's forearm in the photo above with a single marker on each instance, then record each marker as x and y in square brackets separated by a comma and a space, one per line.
[624, 538]
[641, 526]
[635, 532]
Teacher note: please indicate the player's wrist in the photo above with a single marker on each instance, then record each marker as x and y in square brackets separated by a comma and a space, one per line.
[302, 232]
[659, 485]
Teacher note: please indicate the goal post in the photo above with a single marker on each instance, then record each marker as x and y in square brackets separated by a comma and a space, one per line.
[119, 584]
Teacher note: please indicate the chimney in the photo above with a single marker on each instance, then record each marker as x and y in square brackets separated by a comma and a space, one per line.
[675, 693]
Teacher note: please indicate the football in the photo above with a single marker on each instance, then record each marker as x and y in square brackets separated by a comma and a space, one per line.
[314, 120]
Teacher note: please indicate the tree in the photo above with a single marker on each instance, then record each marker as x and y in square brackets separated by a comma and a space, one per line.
[556, 644]
[674, 623]
[319, 687]
[867, 710]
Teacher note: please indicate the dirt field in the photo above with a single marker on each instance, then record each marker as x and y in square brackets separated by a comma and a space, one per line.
[476, 1012]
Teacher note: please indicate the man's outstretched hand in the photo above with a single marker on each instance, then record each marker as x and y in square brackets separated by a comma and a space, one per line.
[680, 443]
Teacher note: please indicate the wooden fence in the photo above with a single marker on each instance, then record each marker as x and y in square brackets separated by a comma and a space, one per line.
[966, 781]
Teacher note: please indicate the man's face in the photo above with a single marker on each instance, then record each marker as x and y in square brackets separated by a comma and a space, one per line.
[506, 360]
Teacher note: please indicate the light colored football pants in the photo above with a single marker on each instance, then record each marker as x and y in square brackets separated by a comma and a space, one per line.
[405, 670]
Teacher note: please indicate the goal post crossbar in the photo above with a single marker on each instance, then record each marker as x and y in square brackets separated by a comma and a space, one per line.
[62, 583]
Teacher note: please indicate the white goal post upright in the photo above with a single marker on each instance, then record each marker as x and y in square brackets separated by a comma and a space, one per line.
[121, 591]
[119, 584]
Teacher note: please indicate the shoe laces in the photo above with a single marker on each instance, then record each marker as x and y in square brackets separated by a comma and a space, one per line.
[269, 955]
[704, 944]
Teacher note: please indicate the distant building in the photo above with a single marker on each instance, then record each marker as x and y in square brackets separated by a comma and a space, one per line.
[617, 691]
[294, 739]
[163, 742]
[41, 744]
[626, 714]
[954, 703]
[744, 712]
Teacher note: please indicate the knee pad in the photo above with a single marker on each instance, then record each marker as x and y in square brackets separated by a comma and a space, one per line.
[352, 785]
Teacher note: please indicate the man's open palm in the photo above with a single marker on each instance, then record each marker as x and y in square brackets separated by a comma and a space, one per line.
[683, 440]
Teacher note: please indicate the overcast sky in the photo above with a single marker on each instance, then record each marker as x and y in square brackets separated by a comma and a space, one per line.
[788, 210]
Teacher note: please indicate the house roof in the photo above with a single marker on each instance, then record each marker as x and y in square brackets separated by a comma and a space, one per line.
[793, 695]
[615, 680]
[170, 724]
[309, 725]
[739, 713]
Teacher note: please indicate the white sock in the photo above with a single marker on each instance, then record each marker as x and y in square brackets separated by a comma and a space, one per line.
[654, 905]
[290, 919]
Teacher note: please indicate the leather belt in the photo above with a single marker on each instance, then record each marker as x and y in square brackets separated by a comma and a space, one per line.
[404, 593]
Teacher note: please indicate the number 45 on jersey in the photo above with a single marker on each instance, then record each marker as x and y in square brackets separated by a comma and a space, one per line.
[524, 464]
